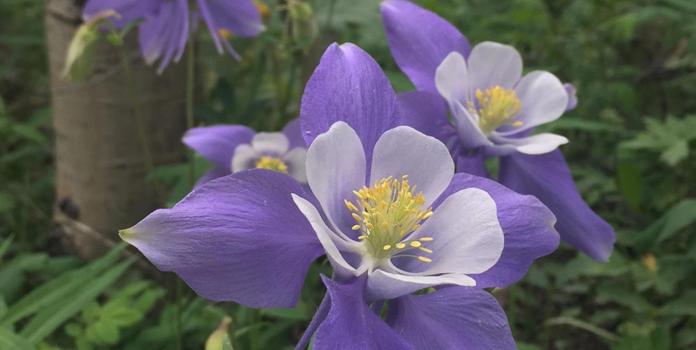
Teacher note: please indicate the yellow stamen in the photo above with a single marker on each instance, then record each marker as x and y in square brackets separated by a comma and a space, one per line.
[386, 213]
[350, 205]
[263, 9]
[272, 163]
[425, 259]
[426, 239]
[225, 33]
[424, 249]
[496, 106]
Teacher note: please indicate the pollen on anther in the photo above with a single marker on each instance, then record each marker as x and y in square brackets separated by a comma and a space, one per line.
[415, 244]
[517, 123]
[362, 237]
[386, 247]
[400, 245]
[350, 205]
[425, 259]
[426, 250]
[425, 239]
[355, 227]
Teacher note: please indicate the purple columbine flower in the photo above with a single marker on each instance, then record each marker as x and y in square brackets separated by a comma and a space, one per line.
[494, 110]
[165, 28]
[233, 148]
[385, 207]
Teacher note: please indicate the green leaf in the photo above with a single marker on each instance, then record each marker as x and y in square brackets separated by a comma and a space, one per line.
[527, 346]
[683, 306]
[7, 203]
[573, 322]
[571, 123]
[12, 341]
[619, 295]
[3, 306]
[59, 289]
[630, 182]
[670, 138]
[678, 217]
[5, 246]
[298, 313]
[50, 318]
[103, 332]
[121, 315]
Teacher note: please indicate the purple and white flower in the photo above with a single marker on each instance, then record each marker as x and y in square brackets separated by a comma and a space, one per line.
[494, 110]
[494, 106]
[166, 23]
[233, 148]
[387, 210]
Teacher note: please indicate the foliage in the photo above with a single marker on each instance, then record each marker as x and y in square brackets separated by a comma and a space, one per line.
[632, 153]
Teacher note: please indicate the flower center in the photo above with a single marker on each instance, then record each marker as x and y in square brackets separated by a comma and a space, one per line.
[225, 33]
[496, 106]
[272, 163]
[386, 213]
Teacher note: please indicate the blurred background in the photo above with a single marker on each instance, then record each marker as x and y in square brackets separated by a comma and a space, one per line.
[72, 170]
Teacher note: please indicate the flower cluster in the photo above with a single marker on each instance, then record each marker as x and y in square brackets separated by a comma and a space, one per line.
[381, 184]
[166, 24]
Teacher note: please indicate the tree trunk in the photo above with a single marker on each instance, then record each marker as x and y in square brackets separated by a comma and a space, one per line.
[101, 162]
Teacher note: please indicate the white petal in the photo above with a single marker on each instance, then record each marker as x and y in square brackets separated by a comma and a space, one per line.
[452, 78]
[467, 236]
[295, 160]
[275, 143]
[332, 242]
[405, 151]
[535, 144]
[243, 158]
[470, 134]
[492, 64]
[543, 99]
[387, 285]
[335, 168]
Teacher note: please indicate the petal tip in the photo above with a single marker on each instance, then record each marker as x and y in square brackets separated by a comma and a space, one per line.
[127, 234]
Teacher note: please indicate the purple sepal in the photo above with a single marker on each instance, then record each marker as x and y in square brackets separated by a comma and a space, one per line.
[474, 164]
[348, 85]
[427, 113]
[237, 238]
[217, 143]
[350, 324]
[420, 40]
[451, 318]
[572, 96]
[293, 131]
[548, 178]
[527, 225]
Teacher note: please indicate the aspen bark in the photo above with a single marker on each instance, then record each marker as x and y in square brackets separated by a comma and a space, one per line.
[101, 162]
